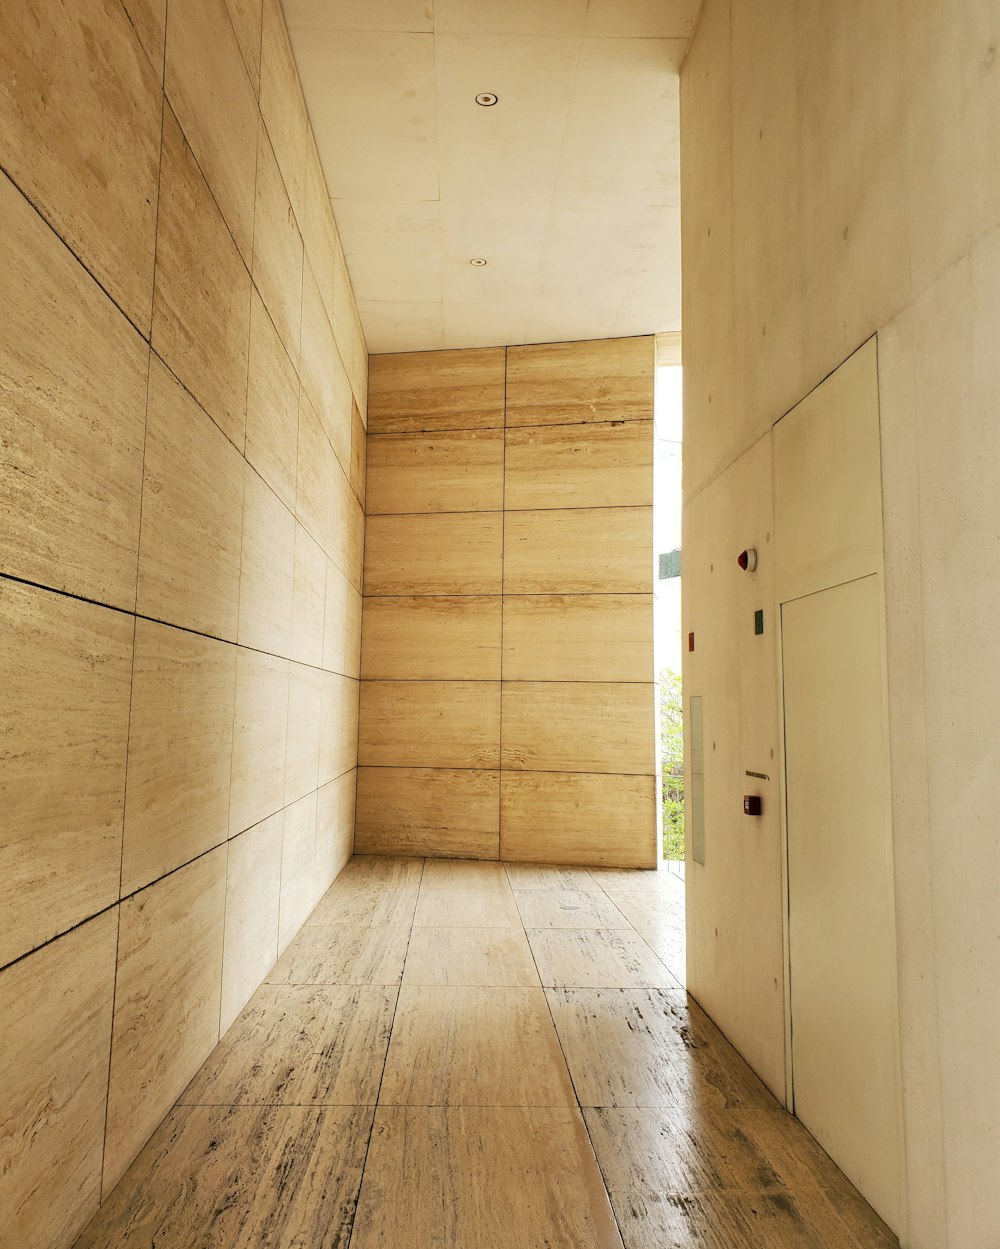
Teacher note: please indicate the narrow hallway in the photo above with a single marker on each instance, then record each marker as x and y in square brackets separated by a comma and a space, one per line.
[470, 1055]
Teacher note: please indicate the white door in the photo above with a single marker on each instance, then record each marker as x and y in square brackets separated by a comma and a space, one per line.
[842, 946]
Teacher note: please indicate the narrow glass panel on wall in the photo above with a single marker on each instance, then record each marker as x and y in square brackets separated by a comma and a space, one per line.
[696, 799]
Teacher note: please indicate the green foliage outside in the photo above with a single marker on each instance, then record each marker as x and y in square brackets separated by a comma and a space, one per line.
[672, 752]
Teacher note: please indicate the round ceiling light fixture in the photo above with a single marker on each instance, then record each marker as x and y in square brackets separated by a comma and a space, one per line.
[486, 99]
[478, 261]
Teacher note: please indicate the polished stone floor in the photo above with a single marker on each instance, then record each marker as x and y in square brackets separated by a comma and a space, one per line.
[458, 1055]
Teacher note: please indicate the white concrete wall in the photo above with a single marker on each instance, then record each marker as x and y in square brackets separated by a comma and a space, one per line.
[841, 177]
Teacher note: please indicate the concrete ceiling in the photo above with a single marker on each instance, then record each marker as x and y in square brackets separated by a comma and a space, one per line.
[568, 187]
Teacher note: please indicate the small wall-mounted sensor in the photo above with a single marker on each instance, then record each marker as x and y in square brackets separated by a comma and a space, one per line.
[747, 559]
[751, 804]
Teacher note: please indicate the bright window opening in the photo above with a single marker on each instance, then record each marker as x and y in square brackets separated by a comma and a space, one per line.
[668, 419]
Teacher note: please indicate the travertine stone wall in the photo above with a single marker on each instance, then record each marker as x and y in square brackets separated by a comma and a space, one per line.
[182, 421]
[507, 661]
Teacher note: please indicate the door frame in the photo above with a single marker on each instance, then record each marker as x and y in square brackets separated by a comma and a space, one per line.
[879, 572]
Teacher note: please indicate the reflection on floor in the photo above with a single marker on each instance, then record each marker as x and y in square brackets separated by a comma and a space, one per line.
[457, 1055]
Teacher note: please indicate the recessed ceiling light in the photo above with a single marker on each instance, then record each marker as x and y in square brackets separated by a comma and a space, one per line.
[478, 261]
[486, 99]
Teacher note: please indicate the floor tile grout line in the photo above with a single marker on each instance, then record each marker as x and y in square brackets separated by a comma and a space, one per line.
[398, 987]
[563, 1106]
[528, 1106]
[660, 959]
[651, 892]
[576, 1094]
[675, 985]
[385, 1060]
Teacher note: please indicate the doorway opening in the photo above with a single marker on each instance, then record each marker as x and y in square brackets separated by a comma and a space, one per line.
[669, 720]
